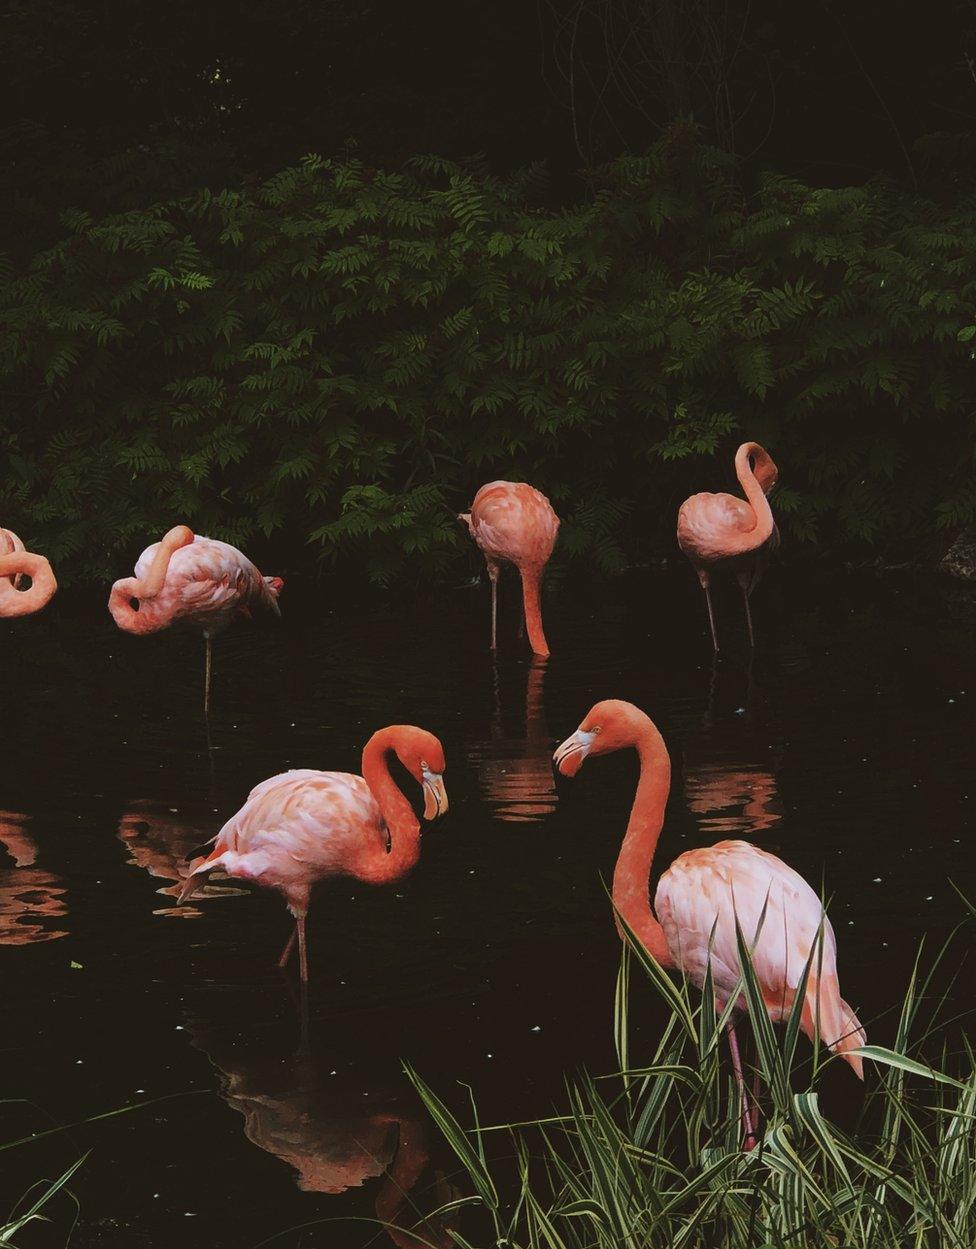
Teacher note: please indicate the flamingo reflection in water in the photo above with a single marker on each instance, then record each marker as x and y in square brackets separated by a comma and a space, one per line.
[335, 1138]
[162, 843]
[729, 782]
[516, 773]
[30, 896]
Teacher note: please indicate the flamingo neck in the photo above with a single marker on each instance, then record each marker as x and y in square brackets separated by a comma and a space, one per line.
[755, 491]
[631, 895]
[532, 599]
[14, 602]
[152, 582]
[398, 814]
[408, 1165]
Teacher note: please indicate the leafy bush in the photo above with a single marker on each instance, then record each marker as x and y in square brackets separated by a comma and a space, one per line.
[345, 354]
[652, 1156]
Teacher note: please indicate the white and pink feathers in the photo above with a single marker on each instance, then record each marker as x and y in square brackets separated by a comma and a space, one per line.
[703, 893]
[207, 584]
[298, 828]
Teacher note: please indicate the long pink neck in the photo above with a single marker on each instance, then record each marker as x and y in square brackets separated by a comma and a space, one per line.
[14, 602]
[398, 814]
[756, 494]
[631, 894]
[152, 582]
[532, 599]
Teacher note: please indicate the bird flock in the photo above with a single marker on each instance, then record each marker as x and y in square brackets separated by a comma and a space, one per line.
[305, 826]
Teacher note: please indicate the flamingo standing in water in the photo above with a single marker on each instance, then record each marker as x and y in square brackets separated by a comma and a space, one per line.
[704, 892]
[513, 523]
[720, 531]
[303, 826]
[194, 581]
[17, 562]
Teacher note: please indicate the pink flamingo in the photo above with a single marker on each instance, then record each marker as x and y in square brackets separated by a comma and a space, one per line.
[720, 531]
[304, 826]
[194, 581]
[513, 523]
[703, 893]
[15, 563]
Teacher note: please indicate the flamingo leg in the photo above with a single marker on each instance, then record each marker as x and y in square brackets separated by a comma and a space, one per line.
[493, 578]
[745, 599]
[206, 676]
[749, 1136]
[705, 580]
[289, 946]
[302, 950]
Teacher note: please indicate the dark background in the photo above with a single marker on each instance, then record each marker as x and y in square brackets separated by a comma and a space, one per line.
[129, 99]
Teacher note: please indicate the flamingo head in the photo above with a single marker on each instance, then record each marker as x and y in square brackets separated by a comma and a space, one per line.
[609, 725]
[422, 755]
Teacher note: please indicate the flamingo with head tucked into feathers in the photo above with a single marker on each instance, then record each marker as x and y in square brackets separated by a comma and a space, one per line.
[304, 826]
[198, 582]
[16, 562]
[721, 532]
[705, 893]
[514, 523]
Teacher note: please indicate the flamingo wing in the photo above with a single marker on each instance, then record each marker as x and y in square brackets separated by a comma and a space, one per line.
[703, 893]
[707, 523]
[511, 520]
[302, 823]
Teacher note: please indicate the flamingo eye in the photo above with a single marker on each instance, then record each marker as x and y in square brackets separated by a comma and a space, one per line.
[424, 766]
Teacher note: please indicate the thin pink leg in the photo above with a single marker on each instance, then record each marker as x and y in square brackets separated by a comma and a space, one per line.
[289, 946]
[749, 1141]
[745, 599]
[302, 950]
[705, 580]
[493, 578]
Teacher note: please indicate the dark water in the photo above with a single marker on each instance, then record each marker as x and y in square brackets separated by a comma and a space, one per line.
[847, 751]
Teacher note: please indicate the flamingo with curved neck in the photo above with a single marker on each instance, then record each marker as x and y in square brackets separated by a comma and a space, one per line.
[514, 523]
[705, 893]
[17, 562]
[721, 532]
[192, 581]
[303, 826]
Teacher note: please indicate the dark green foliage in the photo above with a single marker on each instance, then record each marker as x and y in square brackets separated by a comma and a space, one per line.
[345, 354]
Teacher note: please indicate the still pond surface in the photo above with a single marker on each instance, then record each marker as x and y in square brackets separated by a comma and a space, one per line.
[847, 751]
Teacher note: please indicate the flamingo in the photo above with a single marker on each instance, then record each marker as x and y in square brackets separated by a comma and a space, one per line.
[705, 892]
[720, 531]
[194, 581]
[513, 523]
[303, 826]
[335, 1138]
[17, 562]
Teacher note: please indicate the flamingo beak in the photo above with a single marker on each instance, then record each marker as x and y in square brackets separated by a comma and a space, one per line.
[569, 757]
[435, 795]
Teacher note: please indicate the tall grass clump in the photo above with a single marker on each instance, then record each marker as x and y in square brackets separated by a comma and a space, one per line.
[651, 1156]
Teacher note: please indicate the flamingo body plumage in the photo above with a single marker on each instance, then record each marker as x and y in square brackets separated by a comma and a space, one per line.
[720, 532]
[704, 892]
[514, 523]
[303, 826]
[186, 579]
[206, 585]
[16, 562]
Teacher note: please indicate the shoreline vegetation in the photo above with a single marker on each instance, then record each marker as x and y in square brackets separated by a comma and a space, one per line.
[651, 1155]
[341, 354]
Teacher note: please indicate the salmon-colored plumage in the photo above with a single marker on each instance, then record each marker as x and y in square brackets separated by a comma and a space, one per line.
[703, 893]
[304, 826]
[514, 523]
[721, 532]
[16, 563]
[189, 580]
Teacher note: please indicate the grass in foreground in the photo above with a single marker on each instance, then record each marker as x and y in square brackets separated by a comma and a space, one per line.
[651, 1156]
